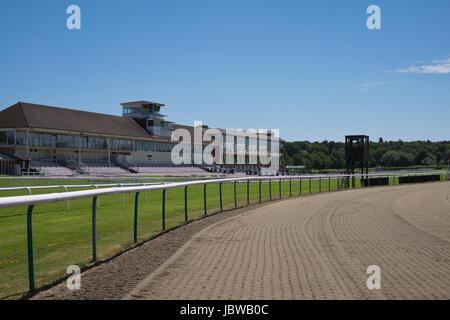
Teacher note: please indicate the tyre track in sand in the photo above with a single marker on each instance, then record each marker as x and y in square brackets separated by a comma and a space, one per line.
[314, 248]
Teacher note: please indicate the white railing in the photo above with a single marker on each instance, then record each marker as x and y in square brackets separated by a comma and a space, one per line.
[55, 197]
[76, 186]
[23, 181]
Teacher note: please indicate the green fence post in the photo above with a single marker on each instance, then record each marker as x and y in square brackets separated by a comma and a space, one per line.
[164, 210]
[279, 191]
[320, 184]
[300, 192]
[136, 202]
[290, 187]
[204, 197]
[235, 197]
[30, 247]
[248, 191]
[259, 190]
[310, 185]
[185, 204]
[329, 184]
[220, 196]
[94, 229]
[270, 189]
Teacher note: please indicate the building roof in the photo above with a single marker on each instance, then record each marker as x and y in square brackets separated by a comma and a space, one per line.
[190, 129]
[356, 136]
[143, 102]
[5, 157]
[28, 115]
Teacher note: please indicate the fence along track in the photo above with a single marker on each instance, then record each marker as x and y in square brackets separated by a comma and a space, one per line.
[32, 200]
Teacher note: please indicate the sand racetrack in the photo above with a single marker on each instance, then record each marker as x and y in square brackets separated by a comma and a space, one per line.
[311, 247]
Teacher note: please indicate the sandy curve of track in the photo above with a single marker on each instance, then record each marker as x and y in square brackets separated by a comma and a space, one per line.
[315, 247]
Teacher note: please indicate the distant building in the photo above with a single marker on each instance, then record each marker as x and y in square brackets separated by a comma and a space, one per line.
[142, 135]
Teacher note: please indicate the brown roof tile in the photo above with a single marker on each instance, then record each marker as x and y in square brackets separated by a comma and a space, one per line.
[36, 116]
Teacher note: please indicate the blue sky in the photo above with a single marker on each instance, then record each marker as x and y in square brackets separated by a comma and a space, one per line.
[309, 68]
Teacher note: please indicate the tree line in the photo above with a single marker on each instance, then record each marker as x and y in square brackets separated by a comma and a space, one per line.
[331, 154]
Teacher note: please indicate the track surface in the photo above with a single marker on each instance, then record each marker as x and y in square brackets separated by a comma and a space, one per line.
[315, 247]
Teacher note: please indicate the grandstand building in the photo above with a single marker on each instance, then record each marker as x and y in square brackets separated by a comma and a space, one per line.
[34, 136]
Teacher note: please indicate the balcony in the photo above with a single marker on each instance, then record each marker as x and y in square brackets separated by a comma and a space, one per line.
[160, 131]
[144, 115]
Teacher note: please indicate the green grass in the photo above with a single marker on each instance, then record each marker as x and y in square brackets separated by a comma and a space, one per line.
[63, 238]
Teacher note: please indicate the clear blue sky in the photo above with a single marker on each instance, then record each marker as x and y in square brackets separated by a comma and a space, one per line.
[309, 68]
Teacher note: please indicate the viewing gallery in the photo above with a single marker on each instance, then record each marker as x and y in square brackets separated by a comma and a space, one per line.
[34, 136]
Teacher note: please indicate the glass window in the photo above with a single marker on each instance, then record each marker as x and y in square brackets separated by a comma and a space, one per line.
[47, 140]
[3, 137]
[21, 138]
[121, 144]
[164, 147]
[145, 146]
[10, 137]
[7, 137]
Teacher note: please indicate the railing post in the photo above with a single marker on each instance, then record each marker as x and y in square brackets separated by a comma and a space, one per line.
[329, 184]
[290, 187]
[67, 202]
[279, 191]
[270, 189]
[320, 184]
[259, 190]
[248, 191]
[123, 196]
[235, 196]
[220, 196]
[204, 198]
[185, 204]
[94, 229]
[164, 210]
[310, 185]
[136, 202]
[300, 192]
[30, 247]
